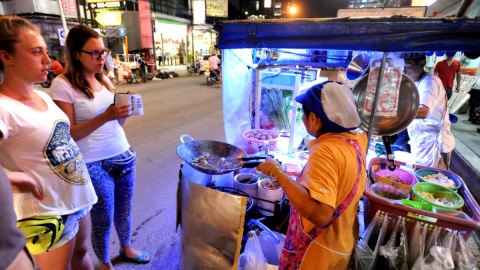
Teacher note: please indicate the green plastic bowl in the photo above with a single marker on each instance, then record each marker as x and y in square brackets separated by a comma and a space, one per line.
[437, 191]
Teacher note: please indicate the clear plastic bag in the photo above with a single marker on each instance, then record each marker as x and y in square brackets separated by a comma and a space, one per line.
[463, 258]
[366, 250]
[438, 257]
[432, 241]
[252, 257]
[417, 246]
[395, 251]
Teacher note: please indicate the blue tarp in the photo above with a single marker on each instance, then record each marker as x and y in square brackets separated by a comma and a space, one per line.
[359, 34]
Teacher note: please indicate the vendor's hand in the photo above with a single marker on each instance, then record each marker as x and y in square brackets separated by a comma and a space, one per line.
[131, 92]
[457, 89]
[23, 183]
[116, 112]
[264, 167]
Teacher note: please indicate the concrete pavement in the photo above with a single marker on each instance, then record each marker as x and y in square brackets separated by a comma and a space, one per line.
[466, 163]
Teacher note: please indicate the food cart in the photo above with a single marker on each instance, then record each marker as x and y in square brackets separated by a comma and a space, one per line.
[294, 54]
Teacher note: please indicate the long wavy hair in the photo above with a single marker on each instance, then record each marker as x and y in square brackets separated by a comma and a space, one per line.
[10, 27]
[76, 39]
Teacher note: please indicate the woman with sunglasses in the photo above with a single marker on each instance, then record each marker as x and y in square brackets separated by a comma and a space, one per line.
[85, 94]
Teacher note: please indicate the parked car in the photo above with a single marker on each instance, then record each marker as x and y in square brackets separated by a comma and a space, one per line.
[204, 64]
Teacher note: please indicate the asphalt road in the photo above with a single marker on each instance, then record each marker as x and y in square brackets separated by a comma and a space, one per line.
[172, 107]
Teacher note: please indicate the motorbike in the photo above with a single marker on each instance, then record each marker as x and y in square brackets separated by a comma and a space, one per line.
[211, 76]
[48, 81]
[193, 69]
[133, 75]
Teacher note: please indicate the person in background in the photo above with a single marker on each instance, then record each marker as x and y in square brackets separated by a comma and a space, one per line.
[160, 56]
[447, 70]
[121, 69]
[143, 67]
[46, 170]
[323, 226]
[56, 66]
[12, 244]
[110, 66]
[213, 62]
[85, 94]
[429, 133]
[448, 143]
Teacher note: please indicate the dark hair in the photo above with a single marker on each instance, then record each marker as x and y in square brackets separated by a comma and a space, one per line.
[417, 61]
[76, 39]
[307, 112]
[10, 27]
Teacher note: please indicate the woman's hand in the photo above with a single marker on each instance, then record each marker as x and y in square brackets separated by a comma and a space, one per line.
[116, 112]
[267, 166]
[23, 183]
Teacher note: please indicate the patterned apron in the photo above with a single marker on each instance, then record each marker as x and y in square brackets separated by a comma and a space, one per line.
[297, 241]
[426, 143]
[426, 140]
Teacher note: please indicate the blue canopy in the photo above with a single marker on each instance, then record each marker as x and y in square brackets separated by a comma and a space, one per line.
[373, 34]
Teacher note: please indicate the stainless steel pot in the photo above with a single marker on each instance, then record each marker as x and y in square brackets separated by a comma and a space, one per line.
[385, 126]
[408, 105]
[222, 157]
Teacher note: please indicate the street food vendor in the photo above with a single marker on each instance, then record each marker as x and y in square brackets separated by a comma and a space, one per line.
[323, 225]
[431, 141]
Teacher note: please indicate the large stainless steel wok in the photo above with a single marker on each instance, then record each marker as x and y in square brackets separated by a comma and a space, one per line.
[385, 126]
[408, 104]
[222, 157]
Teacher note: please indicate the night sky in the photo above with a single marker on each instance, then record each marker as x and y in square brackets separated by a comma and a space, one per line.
[319, 8]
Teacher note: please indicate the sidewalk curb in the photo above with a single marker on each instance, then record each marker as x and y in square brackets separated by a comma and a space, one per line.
[462, 164]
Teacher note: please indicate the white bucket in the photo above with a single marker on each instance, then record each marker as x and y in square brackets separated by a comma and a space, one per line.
[271, 195]
[196, 176]
[250, 189]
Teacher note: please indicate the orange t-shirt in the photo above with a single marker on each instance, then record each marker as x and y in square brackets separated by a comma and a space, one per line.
[56, 67]
[329, 176]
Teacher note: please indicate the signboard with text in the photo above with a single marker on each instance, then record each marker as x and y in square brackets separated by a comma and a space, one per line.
[94, 4]
[217, 8]
[62, 36]
[69, 7]
[198, 12]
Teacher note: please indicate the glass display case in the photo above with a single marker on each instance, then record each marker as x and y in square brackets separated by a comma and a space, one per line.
[275, 99]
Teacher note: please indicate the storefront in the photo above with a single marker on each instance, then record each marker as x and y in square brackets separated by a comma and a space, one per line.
[171, 36]
[204, 38]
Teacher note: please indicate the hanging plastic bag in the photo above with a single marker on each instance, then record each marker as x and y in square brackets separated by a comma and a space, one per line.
[463, 258]
[438, 257]
[366, 250]
[394, 252]
[417, 246]
[415, 243]
[432, 241]
[252, 257]
[389, 92]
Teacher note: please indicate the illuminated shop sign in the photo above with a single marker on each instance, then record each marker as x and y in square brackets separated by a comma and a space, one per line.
[217, 8]
[93, 4]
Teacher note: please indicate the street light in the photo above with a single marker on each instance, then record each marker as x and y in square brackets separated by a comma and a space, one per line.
[292, 10]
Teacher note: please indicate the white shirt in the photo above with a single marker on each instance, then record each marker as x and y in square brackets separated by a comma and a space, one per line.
[39, 144]
[106, 141]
